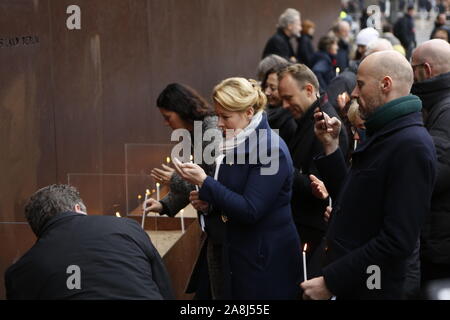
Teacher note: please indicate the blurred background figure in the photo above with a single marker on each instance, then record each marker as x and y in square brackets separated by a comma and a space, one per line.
[325, 61]
[306, 51]
[342, 32]
[289, 26]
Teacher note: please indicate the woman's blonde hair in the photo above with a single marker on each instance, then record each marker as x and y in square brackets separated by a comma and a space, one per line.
[239, 94]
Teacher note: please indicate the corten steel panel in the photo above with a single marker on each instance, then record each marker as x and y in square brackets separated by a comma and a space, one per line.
[27, 149]
[15, 240]
[180, 259]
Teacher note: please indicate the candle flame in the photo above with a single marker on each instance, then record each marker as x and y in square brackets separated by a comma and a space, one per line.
[305, 247]
[118, 214]
[139, 197]
[158, 185]
[147, 192]
[191, 157]
[153, 191]
[338, 70]
[182, 211]
[168, 159]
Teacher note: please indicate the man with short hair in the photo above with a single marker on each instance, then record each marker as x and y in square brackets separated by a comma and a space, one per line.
[381, 202]
[299, 91]
[77, 256]
[289, 26]
[431, 65]
[342, 31]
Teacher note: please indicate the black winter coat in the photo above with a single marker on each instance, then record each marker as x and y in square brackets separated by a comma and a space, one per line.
[435, 95]
[116, 260]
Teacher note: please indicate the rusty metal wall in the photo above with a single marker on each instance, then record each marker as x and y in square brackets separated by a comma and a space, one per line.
[71, 99]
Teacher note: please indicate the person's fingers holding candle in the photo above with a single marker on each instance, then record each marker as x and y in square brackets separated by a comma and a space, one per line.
[152, 205]
[318, 188]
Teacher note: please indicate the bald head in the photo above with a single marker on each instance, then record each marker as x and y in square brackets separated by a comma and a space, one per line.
[436, 53]
[393, 65]
[378, 45]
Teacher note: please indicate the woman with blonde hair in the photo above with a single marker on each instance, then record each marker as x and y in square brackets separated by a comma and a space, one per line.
[261, 251]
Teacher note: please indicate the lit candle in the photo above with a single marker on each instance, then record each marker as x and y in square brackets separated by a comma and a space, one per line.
[168, 160]
[305, 277]
[338, 71]
[118, 214]
[147, 194]
[157, 191]
[191, 157]
[182, 220]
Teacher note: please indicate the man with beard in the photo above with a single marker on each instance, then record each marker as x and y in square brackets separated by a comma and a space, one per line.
[381, 202]
[431, 65]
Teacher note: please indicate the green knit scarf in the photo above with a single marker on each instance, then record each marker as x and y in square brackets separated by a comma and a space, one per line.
[391, 111]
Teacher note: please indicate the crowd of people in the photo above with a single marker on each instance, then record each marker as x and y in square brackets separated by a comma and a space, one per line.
[362, 179]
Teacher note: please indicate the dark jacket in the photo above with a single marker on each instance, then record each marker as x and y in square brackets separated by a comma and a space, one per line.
[324, 67]
[262, 246]
[116, 258]
[282, 120]
[279, 44]
[343, 55]
[435, 95]
[380, 205]
[308, 210]
[404, 30]
[306, 51]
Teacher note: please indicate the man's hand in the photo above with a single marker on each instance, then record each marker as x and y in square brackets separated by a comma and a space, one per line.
[318, 188]
[327, 131]
[198, 204]
[163, 175]
[315, 289]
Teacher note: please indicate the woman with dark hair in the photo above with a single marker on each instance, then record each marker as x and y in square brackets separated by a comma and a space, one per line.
[181, 106]
[325, 63]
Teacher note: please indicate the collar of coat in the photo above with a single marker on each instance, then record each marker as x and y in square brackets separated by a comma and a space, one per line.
[433, 90]
[391, 111]
[54, 220]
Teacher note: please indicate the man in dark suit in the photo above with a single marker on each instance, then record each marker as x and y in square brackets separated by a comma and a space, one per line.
[299, 91]
[381, 203]
[289, 26]
[84, 257]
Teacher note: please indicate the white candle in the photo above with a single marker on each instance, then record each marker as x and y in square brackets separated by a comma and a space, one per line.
[147, 194]
[182, 220]
[305, 277]
[157, 191]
